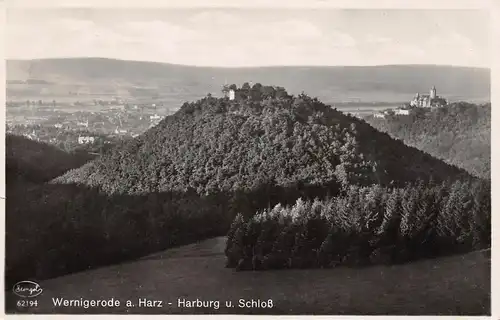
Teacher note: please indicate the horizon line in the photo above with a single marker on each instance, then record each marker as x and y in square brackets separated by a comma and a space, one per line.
[252, 67]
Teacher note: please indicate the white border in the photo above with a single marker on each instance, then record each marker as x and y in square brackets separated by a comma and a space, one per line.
[360, 4]
[492, 5]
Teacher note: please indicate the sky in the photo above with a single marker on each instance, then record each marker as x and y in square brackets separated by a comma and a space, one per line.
[252, 37]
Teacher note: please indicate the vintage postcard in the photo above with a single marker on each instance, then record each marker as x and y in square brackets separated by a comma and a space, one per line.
[238, 159]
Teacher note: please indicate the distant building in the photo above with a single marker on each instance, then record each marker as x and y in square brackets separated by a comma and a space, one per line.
[114, 107]
[31, 136]
[402, 112]
[379, 115]
[83, 124]
[85, 140]
[58, 125]
[120, 131]
[428, 100]
[231, 94]
[154, 117]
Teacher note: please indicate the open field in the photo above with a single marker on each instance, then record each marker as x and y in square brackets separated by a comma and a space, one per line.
[446, 286]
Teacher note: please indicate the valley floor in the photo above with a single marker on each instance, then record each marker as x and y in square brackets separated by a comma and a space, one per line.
[456, 285]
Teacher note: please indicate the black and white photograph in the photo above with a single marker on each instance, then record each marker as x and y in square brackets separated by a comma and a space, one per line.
[248, 160]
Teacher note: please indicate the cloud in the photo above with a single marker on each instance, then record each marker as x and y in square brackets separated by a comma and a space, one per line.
[374, 39]
[455, 47]
[239, 38]
[234, 42]
[339, 39]
[210, 18]
[293, 29]
[453, 39]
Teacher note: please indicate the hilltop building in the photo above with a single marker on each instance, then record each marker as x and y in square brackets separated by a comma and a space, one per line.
[431, 100]
[228, 92]
[428, 100]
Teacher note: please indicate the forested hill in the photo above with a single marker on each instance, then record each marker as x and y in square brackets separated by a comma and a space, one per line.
[264, 137]
[37, 162]
[460, 134]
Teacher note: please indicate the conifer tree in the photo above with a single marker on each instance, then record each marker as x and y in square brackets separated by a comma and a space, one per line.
[282, 248]
[235, 252]
[447, 219]
[326, 252]
[480, 221]
[237, 224]
[388, 233]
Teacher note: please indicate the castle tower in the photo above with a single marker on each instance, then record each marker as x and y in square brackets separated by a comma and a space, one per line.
[433, 92]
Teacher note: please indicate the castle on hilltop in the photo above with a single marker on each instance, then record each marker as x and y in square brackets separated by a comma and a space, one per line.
[428, 100]
[431, 100]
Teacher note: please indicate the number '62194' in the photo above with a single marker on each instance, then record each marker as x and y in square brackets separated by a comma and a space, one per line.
[27, 303]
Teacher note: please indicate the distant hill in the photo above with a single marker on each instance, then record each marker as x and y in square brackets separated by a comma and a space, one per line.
[460, 134]
[177, 83]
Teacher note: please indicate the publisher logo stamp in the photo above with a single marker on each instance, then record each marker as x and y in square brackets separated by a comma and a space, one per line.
[27, 289]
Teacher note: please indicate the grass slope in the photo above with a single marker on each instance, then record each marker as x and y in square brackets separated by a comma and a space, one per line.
[455, 285]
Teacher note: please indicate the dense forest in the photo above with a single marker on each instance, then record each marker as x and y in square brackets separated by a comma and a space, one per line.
[460, 134]
[265, 136]
[189, 177]
[366, 225]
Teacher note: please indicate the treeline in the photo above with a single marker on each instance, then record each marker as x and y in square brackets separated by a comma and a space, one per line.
[460, 134]
[52, 230]
[257, 92]
[365, 225]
